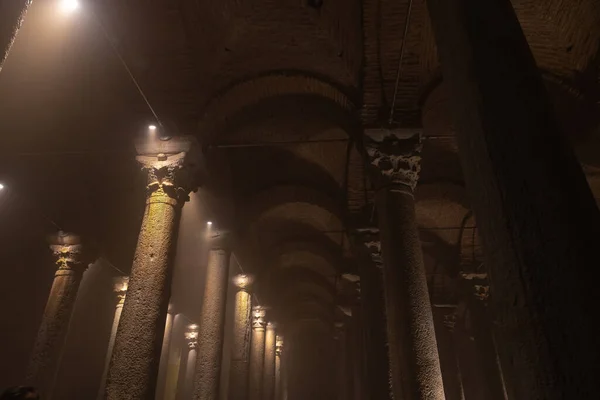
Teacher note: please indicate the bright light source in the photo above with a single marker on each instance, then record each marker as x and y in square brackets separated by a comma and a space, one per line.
[209, 223]
[152, 127]
[69, 6]
[1, 186]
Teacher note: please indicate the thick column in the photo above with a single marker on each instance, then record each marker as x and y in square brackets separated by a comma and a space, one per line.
[377, 363]
[136, 356]
[238, 369]
[12, 14]
[394, 156]
[212, 321]
[278, 366]
[161, 384]
[536, 215]
[120, 288]
[268, 383]
[50, 341]
[257, 353]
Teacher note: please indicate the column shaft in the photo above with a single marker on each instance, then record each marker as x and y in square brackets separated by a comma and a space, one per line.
[343, 389]
[278, 385]
[238, 373]
[257, 358]
[188, 385]
[50, 340]
[268, 384]
[212, 324]
[451, 374]
[164, 358]
[535, 213]
[413, 351]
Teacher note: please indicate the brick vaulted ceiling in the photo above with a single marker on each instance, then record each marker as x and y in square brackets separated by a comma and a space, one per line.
[279, 91]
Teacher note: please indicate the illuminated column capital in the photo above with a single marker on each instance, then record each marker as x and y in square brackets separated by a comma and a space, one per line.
[243, 282]
[170, 166]
[394, 156]
[272, 326]
[279, 345]
[120, 284]
[67, 249]
[191, 335]
[258, 317]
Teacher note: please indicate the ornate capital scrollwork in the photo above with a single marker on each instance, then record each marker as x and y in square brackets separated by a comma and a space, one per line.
[369, 238]
[68, 253]
[258, 317]
[191, 335]
[394, 155]
[279, 345]
[479, 284]
[120, 285]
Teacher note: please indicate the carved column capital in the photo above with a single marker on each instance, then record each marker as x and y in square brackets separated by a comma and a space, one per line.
[191, 335]
[271, 326]
[120, 285]
[258, 317]
[279, 345]
[243, 281]
[478, 283]
[67, 249]
[369, 239]
[394, 155]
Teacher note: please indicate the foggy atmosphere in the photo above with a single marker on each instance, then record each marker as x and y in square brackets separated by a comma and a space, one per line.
[299, 199]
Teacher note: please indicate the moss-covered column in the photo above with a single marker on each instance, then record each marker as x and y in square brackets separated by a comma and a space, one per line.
[134, 366]
[212, 320]
[67, 250]
[278, 366]
[240, 346]
[268, 384]
[257, 354]
[120, 288]
[11, 18]
[538, 220]
[394, 157]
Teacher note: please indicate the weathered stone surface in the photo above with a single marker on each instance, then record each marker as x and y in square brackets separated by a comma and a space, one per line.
[240, 346]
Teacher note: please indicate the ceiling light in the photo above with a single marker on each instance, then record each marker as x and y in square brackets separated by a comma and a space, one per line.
[1, 186]
[152, 127]
[209, 223]
[69, 6]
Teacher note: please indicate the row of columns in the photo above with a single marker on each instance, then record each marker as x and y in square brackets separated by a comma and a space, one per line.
[538, 221]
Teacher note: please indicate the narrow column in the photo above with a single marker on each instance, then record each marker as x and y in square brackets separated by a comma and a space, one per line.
[377, 371]
[238, 369]
[257, 353]
[212, 320]
[191, 337]
[445, 318]
[161, 384]
[278, 377]
[136, 356]
[341, 361]
[50, 341]
[268, 384]
[394, 157]
[13, 13]
[538, 220]
[120, 288]
[356, 344]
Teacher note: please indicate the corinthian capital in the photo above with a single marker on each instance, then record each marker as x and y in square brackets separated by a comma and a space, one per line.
[67, 249]
[172, 166]
[279, 345]
[258, 317]
[394, 155]
[369, 238]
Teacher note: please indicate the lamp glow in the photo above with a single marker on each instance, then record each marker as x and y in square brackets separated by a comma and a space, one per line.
[1, 186]
[69, 6]
[152, 127]
[209, 223]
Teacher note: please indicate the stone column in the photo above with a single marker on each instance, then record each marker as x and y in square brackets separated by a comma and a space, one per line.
[136, 356]
[394, 157]
[536, 215]
[120, 288]
[164, 356]
[377, 371]
[268, 384]
[238, 369]
[212, 321]
[257, 353]
[191, 336]
[341, 369]
[50, 341]
[13, 13]
[356, 344]
[445, 318]
[278, 366]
